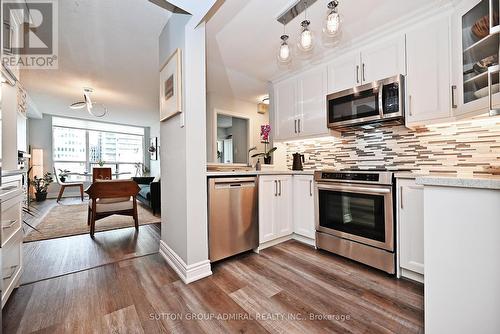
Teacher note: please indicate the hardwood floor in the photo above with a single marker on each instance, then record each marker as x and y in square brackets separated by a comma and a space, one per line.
[289, 288]
[55, 257]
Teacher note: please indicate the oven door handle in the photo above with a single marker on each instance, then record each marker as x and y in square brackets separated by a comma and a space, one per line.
[363, 190]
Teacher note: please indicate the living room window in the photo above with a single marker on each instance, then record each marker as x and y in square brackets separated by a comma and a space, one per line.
[80, 145]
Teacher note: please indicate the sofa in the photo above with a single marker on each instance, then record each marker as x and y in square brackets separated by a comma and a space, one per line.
[150, 193]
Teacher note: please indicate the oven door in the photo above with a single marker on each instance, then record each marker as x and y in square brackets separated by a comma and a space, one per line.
[362, 213]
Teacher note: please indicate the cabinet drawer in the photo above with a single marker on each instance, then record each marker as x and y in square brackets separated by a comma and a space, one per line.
[11, 265]
[11, 218]
[11, 185]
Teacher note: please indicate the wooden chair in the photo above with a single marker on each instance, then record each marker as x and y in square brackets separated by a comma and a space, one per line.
[65, 185]
[112, 197]
[101, 173]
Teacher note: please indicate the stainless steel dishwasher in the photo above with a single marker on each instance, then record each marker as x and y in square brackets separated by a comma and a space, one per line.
[232, 216]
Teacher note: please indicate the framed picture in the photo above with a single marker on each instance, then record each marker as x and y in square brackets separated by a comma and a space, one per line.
[171, 86]
[153, 148]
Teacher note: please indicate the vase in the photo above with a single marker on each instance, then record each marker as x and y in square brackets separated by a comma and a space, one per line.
[62, 178]
[40, 197]
[267, 160]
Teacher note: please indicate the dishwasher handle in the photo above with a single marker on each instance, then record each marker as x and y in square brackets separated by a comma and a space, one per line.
[225, 183]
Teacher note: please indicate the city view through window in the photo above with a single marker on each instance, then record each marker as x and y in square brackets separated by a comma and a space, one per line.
[78, 150]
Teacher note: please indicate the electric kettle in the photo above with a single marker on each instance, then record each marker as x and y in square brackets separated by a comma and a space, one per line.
[298, 159]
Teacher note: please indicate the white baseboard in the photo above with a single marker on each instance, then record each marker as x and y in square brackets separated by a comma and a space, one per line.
[187, 273]
[294, 236]
[274, 242]
[305, 240]
[412, 275]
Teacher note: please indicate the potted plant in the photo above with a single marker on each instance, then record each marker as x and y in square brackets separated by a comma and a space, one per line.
[266, 155]
[265, 130]
[63, 174]
[41, 185]
[101, 163]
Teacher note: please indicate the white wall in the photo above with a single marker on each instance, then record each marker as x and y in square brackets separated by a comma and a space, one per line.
[237, 107]
[183, 152]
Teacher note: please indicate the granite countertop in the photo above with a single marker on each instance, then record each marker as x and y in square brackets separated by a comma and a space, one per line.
[261, 172]
[480, 181]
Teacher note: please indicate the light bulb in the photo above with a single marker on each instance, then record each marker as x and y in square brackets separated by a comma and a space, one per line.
[333, 23]
[306, 37]
[284, 51]
[284, 54]
[333, 20]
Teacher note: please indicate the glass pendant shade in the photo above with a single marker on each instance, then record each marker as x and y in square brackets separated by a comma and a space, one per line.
[306, 37]
[333, 21]
[284, 54]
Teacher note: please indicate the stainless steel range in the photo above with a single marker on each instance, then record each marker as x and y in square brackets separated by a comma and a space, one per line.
[355, 216]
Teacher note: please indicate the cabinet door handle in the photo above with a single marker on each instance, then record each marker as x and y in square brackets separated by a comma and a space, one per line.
[310, 188]
[409, 105]
[357, 73]
[279, 181]
[492, 70]
[401, 197]
[453, 89]
[275, 188]
[9, 224]
[363, 71]
[295, 122]
[299, 125]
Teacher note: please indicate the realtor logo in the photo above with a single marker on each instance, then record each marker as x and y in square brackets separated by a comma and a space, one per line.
[30, 34]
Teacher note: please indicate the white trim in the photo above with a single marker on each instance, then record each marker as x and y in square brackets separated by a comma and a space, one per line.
[187, 273]
[274, 242]
[412, 275]
[304, 239]
[231, 114]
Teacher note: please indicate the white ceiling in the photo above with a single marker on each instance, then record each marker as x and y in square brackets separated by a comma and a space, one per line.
[111, 46]
[243, 38]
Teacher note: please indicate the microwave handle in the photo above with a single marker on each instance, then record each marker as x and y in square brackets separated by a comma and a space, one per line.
[381, 101]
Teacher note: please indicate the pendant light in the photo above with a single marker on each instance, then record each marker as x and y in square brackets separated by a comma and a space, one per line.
[333, 20]
[284, 53]
[306, 37]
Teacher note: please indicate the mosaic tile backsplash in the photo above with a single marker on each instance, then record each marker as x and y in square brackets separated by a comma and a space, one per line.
[471, 147]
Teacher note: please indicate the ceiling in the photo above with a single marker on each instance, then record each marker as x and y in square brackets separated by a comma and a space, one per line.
[111, 46]
[243, 38]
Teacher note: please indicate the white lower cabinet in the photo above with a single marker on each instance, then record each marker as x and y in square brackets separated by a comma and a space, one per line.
[411, 229]
[275, 207]
[11, 235]
[286, 208]
[303, 206]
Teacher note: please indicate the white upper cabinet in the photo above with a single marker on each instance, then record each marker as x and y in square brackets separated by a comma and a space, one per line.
[428, 77]
[375, 62]
[303, 205]
[285, 109]
[470, 46]
[344, 73]
[312, 88]
[300, 105]
[383, 60]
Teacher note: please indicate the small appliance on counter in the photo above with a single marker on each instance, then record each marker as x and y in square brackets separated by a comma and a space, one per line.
[298, 159]
[22, 159]
[355, 216]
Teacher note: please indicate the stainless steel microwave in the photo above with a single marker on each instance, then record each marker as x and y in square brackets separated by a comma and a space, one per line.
[375, 102]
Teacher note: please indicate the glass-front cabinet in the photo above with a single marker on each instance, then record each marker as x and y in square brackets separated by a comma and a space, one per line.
[476, 44]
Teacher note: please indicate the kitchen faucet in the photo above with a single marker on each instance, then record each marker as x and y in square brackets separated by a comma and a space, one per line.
[249, 164]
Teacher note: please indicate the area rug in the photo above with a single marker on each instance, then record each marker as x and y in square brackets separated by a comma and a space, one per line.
[66, 220]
